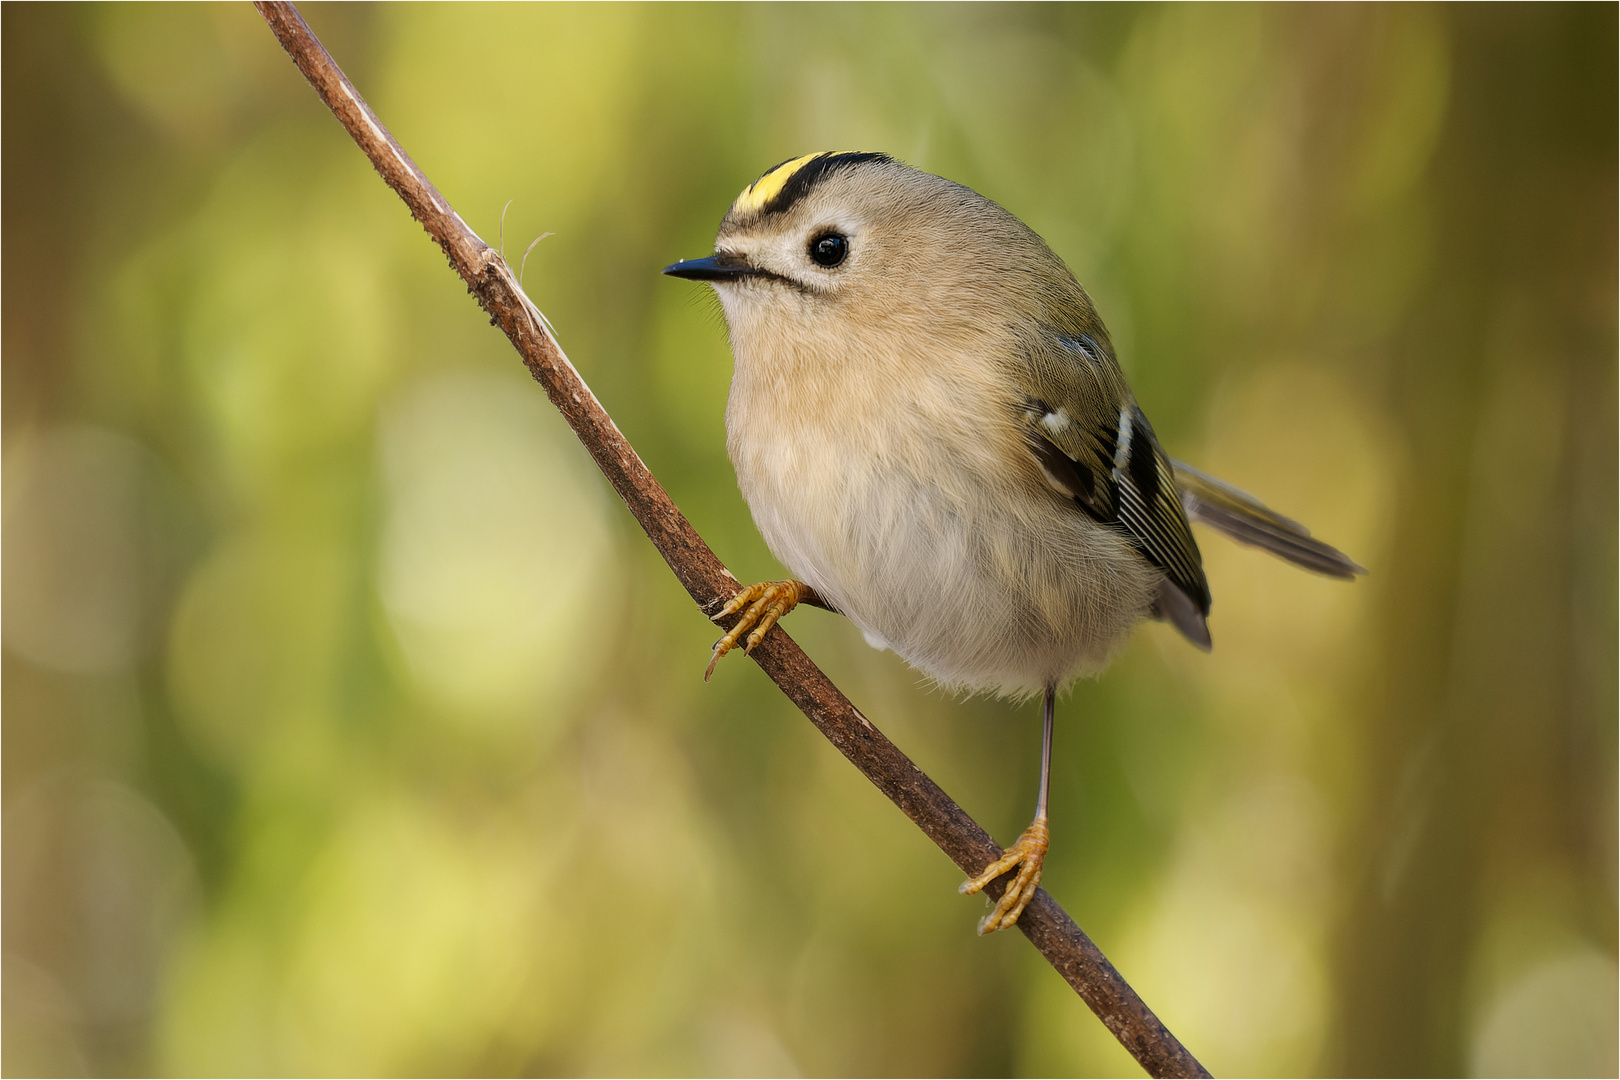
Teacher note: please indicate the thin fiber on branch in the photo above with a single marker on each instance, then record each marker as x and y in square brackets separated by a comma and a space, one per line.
[1044, 923]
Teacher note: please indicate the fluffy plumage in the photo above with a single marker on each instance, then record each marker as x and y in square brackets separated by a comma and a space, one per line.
[932, 432]
[935, 434]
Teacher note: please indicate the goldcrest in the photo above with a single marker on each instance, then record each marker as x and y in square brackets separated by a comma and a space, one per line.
[932, 433]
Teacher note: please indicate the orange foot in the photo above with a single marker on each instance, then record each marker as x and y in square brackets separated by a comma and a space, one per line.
[1027, 854]
[765, 602]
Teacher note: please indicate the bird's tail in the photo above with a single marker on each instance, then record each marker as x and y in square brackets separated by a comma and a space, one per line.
[1249, 521]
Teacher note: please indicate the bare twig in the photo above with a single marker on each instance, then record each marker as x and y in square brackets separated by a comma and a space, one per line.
[487, 276]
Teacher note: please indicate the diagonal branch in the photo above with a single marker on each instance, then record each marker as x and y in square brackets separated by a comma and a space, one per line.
[1046, 924]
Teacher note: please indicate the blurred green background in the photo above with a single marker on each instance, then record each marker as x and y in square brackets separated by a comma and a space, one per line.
[353, 727]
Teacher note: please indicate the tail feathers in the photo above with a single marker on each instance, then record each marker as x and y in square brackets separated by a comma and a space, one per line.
[1249, 521]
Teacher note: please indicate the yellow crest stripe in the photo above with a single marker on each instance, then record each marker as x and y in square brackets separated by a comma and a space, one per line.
[756, 196]
[761, 191]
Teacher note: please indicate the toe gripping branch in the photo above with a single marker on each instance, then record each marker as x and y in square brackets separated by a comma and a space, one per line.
[761, 604]
[1027, 854]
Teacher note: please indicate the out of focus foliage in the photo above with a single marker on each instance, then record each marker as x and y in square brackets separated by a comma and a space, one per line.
[351, 726]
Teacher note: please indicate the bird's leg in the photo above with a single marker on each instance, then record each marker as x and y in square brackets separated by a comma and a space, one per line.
[1028, 853]
[761, 605]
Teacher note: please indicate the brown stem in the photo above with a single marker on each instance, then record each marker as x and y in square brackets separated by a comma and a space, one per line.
[1044, 923]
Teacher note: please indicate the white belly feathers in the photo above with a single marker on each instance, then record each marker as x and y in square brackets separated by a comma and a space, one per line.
[980, 587]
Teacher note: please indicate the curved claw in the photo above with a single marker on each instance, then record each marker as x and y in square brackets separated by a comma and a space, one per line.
[1027, 854]
[765, 603]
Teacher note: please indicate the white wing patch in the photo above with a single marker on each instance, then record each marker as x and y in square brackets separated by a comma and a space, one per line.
[1122, 444]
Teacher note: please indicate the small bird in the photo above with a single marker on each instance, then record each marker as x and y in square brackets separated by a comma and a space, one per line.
[931, 431]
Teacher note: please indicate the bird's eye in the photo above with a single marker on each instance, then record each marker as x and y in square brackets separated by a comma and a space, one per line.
[829, 249]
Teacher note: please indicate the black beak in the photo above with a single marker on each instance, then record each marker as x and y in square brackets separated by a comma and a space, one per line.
[721, 267]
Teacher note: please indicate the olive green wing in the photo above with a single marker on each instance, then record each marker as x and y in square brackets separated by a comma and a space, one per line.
[1094, 444]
